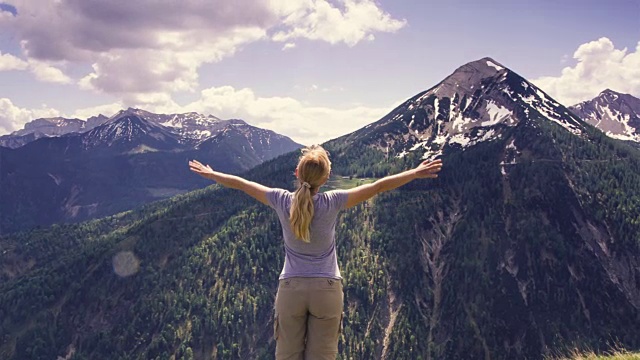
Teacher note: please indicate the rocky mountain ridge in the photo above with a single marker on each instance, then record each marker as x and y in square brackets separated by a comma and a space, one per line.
[615, 114]
[128, 160]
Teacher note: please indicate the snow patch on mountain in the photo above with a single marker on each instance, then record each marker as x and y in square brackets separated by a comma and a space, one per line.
[174, 123]
[461, 123]
[465, 140]
[493, 65]
[628, 132]
[496, 113]
[547, 108]
[510, 155]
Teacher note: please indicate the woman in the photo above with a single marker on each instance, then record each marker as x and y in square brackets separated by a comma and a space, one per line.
[309, 300]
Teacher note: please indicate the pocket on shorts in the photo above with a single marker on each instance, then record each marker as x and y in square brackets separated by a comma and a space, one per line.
[331, 284]
[288, 284]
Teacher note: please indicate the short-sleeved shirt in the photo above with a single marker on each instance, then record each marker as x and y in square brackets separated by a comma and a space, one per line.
[318, 257]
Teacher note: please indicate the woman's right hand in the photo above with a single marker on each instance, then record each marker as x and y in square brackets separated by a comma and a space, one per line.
[428, 169]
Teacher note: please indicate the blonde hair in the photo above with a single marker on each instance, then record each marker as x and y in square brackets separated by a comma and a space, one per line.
[313, 169]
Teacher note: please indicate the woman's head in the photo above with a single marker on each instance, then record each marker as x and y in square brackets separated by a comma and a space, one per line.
[313, 167]
[312, 171]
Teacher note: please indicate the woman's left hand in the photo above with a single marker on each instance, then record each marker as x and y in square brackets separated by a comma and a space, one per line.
[200, 169]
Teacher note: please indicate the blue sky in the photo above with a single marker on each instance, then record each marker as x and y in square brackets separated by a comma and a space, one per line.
[310, 69]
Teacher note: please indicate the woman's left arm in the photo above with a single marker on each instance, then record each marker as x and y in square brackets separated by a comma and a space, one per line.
[253, 189]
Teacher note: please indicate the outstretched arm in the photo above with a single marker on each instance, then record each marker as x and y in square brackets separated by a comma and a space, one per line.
[427, 169]
[253, 189]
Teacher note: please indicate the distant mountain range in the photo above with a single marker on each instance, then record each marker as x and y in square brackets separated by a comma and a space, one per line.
[527, 244]
[68, 170]
[236, 146]
[189, 129]
[49, 127]
[616, 114]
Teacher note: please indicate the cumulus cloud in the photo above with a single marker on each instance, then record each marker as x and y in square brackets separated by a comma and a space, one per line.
[48, 73]
[13, 118]
[150, 46]
[288, 46]
[285, 115]
[599, 66]
[10, 62]
[42, 71]
[79, 29]
[354, 21]
[169, 68]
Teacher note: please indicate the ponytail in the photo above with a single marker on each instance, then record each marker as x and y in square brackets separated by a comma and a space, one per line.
[313, 169]
[301, 213]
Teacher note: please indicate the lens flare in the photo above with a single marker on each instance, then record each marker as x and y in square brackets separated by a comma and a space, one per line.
[125, 263]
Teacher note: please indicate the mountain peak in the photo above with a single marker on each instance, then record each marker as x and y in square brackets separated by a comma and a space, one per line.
[484, 64]
[129, 111]
[236, 122]
[616, 114]
[130, 132]
[608, 93]
[132, 110]
[478, 102]
[486, 67]
[129, 122]
[469, 77]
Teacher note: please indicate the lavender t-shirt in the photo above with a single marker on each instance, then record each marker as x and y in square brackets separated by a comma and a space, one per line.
[317, 258]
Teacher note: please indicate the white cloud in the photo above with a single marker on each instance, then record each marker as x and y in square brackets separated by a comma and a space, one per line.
[599, 66]
[306, 124]
[10, 62]
[144, 46]
[13, 118]
[41, 70]
[350, 23]
[169, 68]
[313, 88]
[48, 73]
[288, 46]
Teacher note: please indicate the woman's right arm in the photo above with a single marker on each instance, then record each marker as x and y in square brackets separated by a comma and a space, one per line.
[253, 189]
[426, 169]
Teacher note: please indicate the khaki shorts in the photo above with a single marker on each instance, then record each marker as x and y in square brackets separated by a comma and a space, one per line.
[308, 318]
